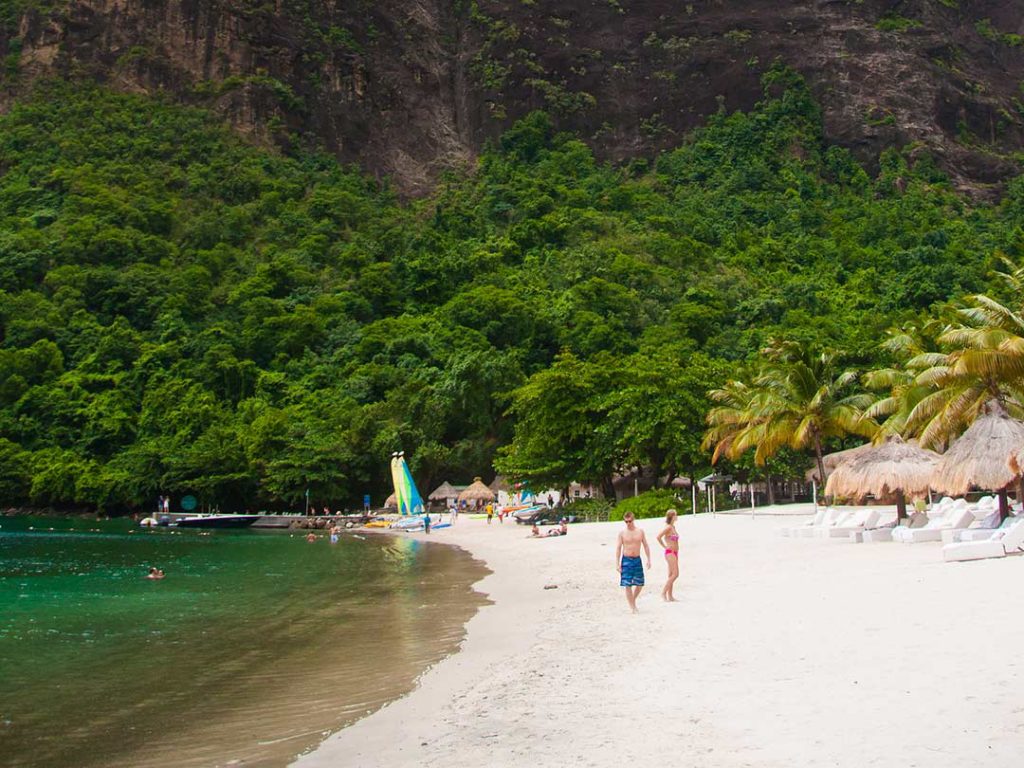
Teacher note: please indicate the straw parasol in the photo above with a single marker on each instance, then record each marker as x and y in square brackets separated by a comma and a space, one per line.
[982, 456]
[833, 460]
[477, 492]
[499, 483]
[894, 467]
[391, 502]
[443, 492]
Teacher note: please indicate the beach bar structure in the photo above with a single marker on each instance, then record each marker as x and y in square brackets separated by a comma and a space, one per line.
[446, 494]
[477, 494]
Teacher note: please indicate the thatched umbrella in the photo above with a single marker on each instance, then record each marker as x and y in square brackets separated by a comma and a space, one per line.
[477, 492]
[443, 492]
[894, 467]
[982, 457]
[391, 502]
[833, 460]
[499, 483]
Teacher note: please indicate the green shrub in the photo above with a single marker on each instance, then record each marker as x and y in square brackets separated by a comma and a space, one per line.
[590, 507]
[653, 503]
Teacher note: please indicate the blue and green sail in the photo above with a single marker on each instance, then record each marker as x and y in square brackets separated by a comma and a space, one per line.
[407, 496]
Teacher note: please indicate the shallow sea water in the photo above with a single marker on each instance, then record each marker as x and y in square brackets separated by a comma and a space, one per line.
[255, 646]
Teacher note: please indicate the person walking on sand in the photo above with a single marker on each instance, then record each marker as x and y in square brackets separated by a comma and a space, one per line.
[627, 560]
[669, 540]
[490, 513]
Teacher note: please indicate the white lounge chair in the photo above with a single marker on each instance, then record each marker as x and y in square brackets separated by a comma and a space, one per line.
[794, 530]
[956, 519]
[855, 522]
[839, 518]
[826, 518]
[916, 520]
[1000, 543]
[979, 530]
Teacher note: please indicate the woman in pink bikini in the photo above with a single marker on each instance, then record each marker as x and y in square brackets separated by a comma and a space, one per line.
[669, 539]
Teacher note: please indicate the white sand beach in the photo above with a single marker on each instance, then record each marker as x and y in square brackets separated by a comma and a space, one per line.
[782, 653]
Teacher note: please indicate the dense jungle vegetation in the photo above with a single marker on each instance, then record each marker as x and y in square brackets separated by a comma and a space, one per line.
[181, 312]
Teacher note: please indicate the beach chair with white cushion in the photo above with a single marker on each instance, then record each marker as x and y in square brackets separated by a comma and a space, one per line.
[956, 520]
[979, 530]
[917, 520]
[819, 518]
[826, 518]
[985, 505]
[834, 518]
[856, 522]
[1000, 543]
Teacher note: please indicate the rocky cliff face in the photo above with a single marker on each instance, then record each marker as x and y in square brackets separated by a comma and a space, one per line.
[407, 88]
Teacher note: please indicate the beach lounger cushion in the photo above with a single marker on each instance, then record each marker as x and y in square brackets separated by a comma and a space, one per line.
[1000, 543]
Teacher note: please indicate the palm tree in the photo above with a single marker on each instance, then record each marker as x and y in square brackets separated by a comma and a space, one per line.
[983, 362]
[797, 399]
[917, 341]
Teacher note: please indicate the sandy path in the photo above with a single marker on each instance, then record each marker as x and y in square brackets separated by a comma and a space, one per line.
[783, 653]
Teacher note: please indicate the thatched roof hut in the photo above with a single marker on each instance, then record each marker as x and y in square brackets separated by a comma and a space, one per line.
[443, 492]
[982, 457]
[833, 460]
[391, 502]
[499, 483]
[894, 467]
[477, 492]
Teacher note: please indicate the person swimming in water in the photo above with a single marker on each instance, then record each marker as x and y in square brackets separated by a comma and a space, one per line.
[669, 539]
[155, 574]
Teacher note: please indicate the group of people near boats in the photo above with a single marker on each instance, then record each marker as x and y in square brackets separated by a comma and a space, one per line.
[629, 565]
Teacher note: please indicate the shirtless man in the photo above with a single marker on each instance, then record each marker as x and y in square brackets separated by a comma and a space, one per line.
[627, 560]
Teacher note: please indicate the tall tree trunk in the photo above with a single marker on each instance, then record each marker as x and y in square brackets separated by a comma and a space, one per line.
[901, 507]
[821, 462]
[771, 490]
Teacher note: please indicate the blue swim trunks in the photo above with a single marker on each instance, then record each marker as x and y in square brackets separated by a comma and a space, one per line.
[632, 572]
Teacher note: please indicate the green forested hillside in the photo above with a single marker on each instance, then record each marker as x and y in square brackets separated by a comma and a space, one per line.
[183, 312]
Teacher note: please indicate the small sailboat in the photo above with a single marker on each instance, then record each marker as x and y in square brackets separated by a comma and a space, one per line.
[407, 495]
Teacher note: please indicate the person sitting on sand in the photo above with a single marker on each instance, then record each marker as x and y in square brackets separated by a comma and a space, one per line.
[627, 560]
[669, 540]
[155, 574]
[535, 531]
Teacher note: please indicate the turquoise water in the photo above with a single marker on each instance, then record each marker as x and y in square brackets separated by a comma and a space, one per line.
[253, 648]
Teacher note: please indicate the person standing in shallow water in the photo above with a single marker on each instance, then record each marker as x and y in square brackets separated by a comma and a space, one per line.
[669, 540]
[627, 560]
